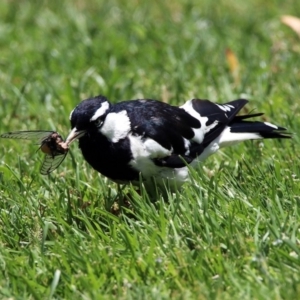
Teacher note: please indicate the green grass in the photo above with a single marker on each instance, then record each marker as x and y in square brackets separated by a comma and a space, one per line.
[232, 233]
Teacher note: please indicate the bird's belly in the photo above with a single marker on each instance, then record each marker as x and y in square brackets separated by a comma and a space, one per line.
[125, 161]
[111, 161]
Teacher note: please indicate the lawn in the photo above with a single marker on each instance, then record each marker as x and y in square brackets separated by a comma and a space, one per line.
[232, 233]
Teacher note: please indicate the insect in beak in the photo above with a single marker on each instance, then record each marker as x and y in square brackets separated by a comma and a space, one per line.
[74, 134]
[51, 143]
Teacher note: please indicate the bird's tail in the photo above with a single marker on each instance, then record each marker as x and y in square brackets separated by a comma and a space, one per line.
[239, 130]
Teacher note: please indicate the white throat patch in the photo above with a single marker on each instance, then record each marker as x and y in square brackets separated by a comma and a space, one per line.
[116, 126]
[100, 111]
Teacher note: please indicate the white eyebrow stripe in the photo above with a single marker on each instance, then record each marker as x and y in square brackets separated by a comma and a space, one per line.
[100, 111]
[70, 116]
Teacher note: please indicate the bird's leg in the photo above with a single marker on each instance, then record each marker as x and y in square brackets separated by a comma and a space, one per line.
[122, 201]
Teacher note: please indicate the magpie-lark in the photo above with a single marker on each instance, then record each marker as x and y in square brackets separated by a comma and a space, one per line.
[157, 141]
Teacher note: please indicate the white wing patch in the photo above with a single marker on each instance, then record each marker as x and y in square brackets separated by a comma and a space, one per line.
[200, 132]
[155, 150]
[116, 126]
[100, 111]
[143, 151]
[225, 107]
[210, 127]
[188, 107]
[142, 154]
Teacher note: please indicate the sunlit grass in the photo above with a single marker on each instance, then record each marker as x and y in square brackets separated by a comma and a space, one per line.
[232, 233]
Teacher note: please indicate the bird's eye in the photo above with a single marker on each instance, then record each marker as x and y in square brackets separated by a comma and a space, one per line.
[98, 122]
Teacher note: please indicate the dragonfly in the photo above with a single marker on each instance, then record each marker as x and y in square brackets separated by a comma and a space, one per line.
[51, 143]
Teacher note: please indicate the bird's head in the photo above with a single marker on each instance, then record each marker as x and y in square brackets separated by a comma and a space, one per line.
[88, 116]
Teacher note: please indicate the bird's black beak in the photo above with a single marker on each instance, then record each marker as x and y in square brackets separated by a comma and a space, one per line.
[74, 135]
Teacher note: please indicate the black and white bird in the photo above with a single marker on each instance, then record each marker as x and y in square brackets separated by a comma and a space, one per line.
[157, 141]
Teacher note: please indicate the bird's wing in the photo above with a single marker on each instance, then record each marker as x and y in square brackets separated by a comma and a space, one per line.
[214, 117]
[185, 131]
[167, 125]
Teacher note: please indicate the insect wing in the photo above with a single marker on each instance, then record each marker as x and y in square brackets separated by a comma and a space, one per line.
[38, 135]
[45, 138]
[51, 163]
